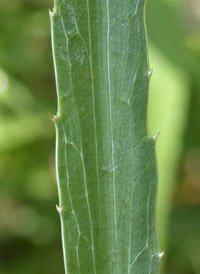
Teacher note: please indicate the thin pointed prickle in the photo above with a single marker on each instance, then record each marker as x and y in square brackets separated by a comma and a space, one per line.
[50, 13]
[58, 209]
[150, 72]
[155, 137]
[52, 117]
[161, 254]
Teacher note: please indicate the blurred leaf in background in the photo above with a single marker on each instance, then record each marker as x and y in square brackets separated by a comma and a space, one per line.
[29, 224]
[174, 33]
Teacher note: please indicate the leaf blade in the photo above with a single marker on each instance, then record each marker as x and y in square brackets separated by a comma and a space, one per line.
[105, 159]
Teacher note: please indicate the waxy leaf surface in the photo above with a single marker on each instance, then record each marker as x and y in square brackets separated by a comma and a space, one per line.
[106, 169]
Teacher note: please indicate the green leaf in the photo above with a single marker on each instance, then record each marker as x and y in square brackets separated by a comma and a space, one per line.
[106, 169]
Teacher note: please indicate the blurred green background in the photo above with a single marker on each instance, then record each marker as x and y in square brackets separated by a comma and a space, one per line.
[29, 224]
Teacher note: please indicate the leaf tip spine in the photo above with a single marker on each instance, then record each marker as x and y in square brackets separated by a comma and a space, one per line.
[155, 137]
[58, 209]
[150, 72]
[52, 117]
[51, 13]
[161, 255]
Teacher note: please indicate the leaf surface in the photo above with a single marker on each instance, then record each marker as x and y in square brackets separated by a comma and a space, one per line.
[106, 169]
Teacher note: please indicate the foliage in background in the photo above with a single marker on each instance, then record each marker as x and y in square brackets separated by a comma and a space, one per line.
[29, 225]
